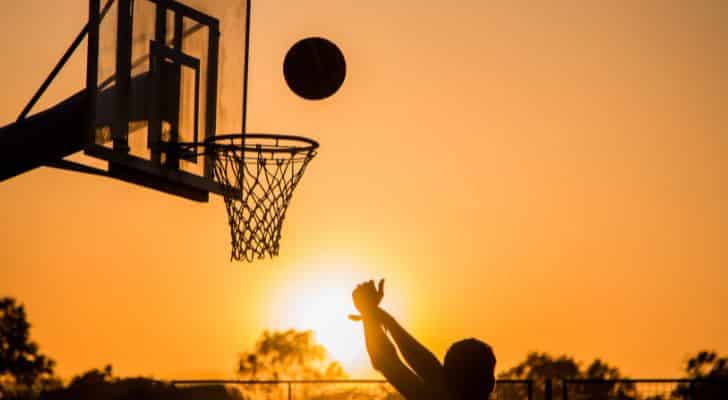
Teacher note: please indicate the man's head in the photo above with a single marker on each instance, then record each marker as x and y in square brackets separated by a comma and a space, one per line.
[469, 366]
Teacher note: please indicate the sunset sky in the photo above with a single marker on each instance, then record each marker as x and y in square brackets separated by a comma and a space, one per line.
[546, 175]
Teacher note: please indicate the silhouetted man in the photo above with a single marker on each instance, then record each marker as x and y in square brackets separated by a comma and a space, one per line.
[467, 373]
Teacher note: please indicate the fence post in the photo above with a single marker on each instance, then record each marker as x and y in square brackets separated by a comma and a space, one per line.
[529, 388]
[547, 395]
[290, 396]
[564, 390]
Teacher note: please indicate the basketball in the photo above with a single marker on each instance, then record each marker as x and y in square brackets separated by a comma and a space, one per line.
[314, 68]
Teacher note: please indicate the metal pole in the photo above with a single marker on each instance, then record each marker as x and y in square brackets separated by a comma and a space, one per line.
[120, 126]
[248, 7]
[92, 68]
[547, 390]
[62, 62]
[564, 390]
[54, 72]
[530, 389]
[289, 391]
[211, 96]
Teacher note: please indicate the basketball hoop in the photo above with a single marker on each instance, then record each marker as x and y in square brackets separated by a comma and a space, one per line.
[258, 173]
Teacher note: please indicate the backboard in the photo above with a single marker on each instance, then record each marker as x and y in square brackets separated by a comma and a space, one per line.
[161, 72]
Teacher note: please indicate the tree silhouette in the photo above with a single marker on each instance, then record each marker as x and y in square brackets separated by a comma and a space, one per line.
[23, 369]
[707, 365]
[94, 377]
[100, 384]
[288, 354]
[541, 366]
[712, 370]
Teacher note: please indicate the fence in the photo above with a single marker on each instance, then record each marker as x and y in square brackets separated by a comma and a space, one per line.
[339, 389]
[505, 389]
[642, 389]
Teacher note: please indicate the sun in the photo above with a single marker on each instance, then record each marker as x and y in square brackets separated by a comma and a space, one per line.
[325, 312]
[321, 302]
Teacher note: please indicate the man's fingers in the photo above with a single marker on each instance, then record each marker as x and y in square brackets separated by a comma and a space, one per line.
[354, 317]
[381, 288]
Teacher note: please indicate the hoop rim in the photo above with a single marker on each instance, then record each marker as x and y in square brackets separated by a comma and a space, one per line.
[304, 145]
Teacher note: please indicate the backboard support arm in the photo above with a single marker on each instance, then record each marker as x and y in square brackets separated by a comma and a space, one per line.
[75, 167]
[59, 66]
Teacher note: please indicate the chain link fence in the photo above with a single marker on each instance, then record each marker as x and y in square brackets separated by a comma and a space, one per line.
[358, 389]
[642, 389]
[569, 389]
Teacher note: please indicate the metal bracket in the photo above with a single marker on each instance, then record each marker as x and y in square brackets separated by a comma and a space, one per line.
[75, 167]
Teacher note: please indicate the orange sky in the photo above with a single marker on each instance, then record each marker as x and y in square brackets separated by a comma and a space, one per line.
[542, 175]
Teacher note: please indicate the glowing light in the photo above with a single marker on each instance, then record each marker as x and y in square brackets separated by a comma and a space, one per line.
[320, 300]
[324, 310]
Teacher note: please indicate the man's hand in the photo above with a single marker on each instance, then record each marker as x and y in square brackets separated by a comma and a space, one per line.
[367, 298]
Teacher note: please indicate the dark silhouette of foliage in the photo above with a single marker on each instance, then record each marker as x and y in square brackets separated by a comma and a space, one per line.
[540, 367]
[707, 365]
[100, 384]
[92, 378]
[711, 374]
[598, 369]
[24, 371]
[288, 354]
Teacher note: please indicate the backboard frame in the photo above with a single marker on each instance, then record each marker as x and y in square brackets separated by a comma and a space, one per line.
[162, 170]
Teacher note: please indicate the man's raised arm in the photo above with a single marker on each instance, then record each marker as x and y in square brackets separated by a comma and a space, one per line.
[384, 359]
[417, 356]
[382, 352]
